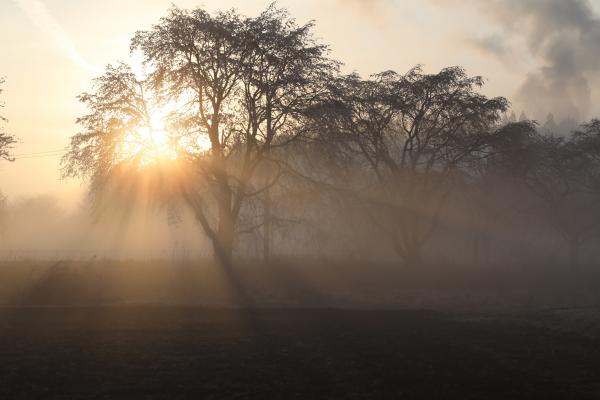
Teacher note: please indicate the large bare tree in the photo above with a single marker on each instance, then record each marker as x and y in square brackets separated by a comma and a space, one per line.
[415, 133]
[238, 85]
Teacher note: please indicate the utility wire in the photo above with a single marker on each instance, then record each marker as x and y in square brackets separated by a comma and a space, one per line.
[44, 156]
[41, 154]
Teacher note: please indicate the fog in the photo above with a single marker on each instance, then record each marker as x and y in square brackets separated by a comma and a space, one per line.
[39, 228]
[266, 153]
[257, 222]
[498, 224]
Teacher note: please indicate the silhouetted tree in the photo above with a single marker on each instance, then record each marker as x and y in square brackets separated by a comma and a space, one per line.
[2, 212]
[586, 141]
[284, 75]
[257, 126]
[564, 177]
[201, 58]
[523, 117]
[416, 133]
[237, 84]
[248, 79]
[6, 143]
[550, 127]
[496, 195]
[108, 146]
[6, 140]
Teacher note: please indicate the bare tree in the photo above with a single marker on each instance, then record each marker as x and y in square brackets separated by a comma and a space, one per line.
[564, 176]
[6, 140]
[109, 151]
[200, 59]
[285, 74]
[416, 134]
[235, 88]
[496, 197]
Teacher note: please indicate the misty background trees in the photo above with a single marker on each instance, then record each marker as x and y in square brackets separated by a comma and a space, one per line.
[6, 140]
[417, 135]
[272, 148]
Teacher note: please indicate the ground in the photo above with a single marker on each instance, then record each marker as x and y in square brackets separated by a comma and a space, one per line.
[177, 352]
[300, 329]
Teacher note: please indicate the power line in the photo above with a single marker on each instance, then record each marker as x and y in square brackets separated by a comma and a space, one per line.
[41, 152]
[42, 156]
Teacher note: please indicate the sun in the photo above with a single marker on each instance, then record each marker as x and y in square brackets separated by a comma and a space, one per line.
[153, 143]
[148, 145]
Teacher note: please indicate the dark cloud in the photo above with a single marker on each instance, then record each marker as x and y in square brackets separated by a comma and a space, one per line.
[493, 44]
[563, 36]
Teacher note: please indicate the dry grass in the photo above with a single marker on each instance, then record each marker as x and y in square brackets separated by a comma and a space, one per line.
[296, 283]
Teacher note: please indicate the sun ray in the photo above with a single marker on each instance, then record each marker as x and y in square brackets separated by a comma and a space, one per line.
[154, 143]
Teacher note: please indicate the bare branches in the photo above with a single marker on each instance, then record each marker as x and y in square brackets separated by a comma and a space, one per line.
[414, 131]
[240, 84]
[7, 140]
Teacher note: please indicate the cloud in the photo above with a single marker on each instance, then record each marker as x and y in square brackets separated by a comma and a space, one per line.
[493, 44]
[374, 10]
[563, 36]
[41, 17]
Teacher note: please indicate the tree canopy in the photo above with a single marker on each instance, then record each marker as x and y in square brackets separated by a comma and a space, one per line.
[235, 89]
[229, 112]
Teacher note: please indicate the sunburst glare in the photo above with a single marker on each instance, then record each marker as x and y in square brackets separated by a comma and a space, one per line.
[155, 143]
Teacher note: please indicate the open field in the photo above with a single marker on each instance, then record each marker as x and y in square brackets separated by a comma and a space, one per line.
[277, 199]
[127, 330]
[163, 352]
[299, 283]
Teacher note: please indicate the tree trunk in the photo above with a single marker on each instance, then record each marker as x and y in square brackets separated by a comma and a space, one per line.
[223, 242]
[267, 202]
[409, 251]
[412, 246]
[267, 227]
[413, 257]
[574, 247]
[486, 243]
[475, 241]
[481, 249]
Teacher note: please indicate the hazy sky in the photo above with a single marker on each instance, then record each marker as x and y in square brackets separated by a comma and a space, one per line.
[542, 54]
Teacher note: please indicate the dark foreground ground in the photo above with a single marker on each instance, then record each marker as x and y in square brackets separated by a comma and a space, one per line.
[194, 353]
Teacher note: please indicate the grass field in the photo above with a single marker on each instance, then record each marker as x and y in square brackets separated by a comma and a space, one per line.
[297, 283]
[127, 330]
[191, 353]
